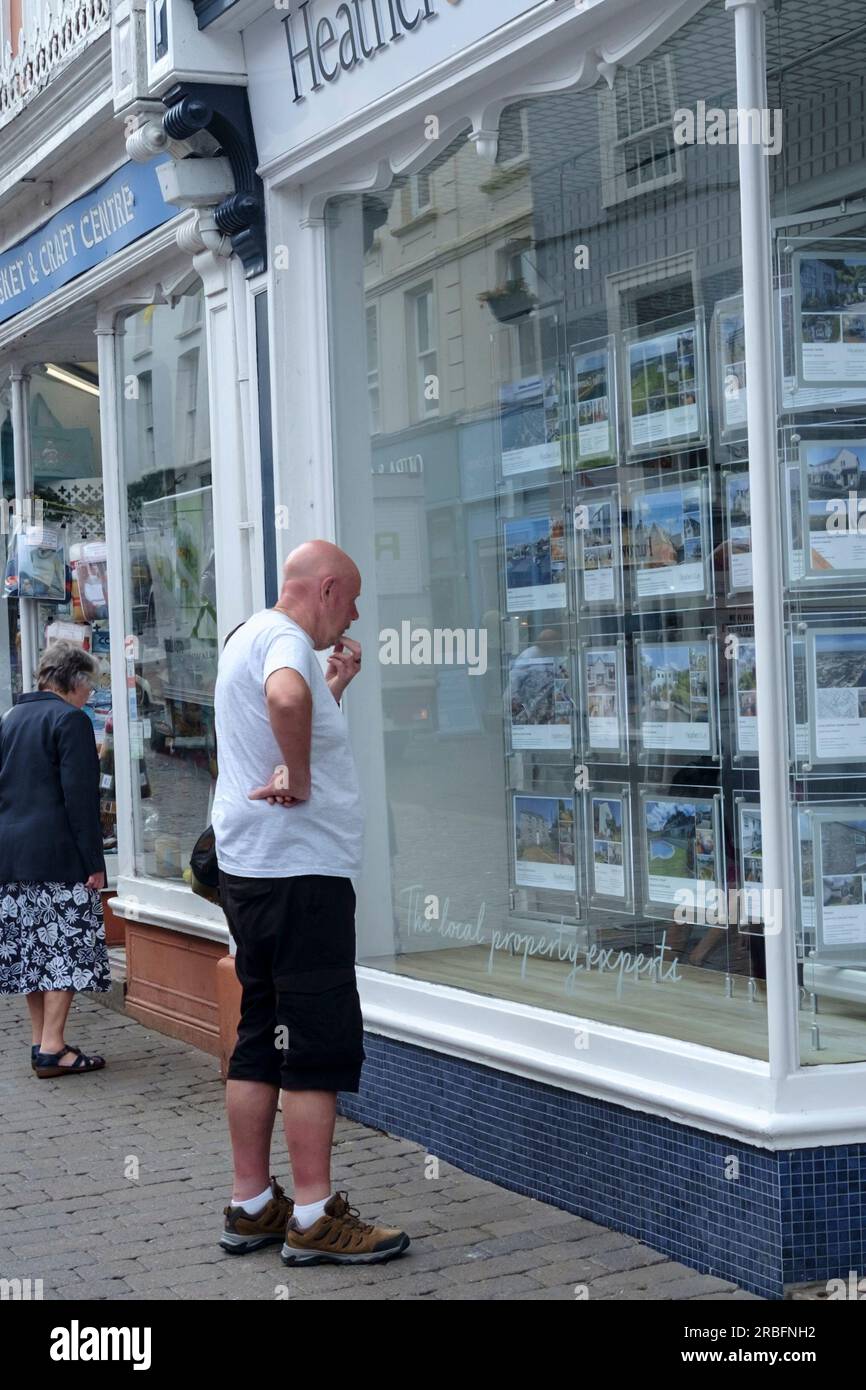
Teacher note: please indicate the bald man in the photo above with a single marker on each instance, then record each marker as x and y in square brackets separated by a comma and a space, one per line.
[288, 823]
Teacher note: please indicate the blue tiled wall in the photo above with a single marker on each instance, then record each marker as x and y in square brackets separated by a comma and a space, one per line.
[785, 1218]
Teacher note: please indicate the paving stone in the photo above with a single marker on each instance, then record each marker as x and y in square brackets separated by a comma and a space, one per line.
[472, 1271]
[696, 1284]
[575, 1271]
[89, 1232]
[549, 1217]
[562, 1292]
[628, 1257]
[732, 1296]
[510, 1286]
[649, 1277]
[445, 1240]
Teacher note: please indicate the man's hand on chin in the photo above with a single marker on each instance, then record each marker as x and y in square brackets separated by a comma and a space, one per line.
[344, 663]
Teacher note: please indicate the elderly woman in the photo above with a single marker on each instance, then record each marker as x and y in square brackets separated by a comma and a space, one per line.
[52, 938]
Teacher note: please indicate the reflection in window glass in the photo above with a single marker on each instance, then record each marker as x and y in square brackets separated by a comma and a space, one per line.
[526, 646]
[816, 63]
[171, 597]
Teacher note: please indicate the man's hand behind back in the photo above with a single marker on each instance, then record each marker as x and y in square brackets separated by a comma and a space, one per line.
[276, 792]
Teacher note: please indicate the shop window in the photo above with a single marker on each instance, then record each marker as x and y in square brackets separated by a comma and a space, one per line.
[170, 591]
[10, 671]
[817, 86]
[58, 584]
[560, 736]
[638, 148]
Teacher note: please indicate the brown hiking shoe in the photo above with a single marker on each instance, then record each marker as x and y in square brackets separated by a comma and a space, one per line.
[243, 1232]
[340, 1238]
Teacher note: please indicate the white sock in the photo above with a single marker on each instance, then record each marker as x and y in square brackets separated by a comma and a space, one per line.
[307, 1216]
[254, 1204]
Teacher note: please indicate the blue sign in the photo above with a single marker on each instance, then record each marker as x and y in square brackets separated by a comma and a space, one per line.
[88, 231]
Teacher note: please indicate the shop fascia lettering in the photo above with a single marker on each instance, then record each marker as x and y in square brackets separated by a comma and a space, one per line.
[95, 224]
[360, 28]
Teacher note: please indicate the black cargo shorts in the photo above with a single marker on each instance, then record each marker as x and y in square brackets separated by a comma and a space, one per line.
[300, 1025]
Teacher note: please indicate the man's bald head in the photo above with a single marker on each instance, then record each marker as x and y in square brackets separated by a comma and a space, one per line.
[316, 560]
[320, 585]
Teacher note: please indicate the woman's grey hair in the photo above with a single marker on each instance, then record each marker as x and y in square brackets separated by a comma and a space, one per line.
[64, 666]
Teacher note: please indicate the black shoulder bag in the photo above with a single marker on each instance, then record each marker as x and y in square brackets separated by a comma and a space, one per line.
[203, 866]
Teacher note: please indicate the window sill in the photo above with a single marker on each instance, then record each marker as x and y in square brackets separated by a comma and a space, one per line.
[168, 904]
[684, 1082]
[506, 175]
[421, 219]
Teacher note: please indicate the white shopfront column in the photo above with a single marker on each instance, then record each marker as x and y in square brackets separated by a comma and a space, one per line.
[27, 618]
[109, 329]
[776, 836]
[334, 267]
[237, 531]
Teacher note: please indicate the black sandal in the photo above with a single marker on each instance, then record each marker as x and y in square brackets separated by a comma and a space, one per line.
[47, 1063]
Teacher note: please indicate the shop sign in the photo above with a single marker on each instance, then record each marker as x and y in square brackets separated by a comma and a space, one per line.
[111, 216]
[373, 26]
[336, 58]
[411, 464]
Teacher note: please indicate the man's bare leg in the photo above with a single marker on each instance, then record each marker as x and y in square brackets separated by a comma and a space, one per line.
[308, 1119]
[251, 1107]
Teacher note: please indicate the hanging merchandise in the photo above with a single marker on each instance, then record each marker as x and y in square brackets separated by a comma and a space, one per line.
[90, 568]
[36, 565]
[107, 793]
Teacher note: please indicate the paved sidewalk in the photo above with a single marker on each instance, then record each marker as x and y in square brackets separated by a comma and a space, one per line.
[76, 1216]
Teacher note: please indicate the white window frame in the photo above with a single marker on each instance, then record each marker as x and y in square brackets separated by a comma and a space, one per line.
[422, 180]
[373, 368]
[423, 409]
[188, 371]
[620, 283]
[522, 156]
[145, 394]
[614, 188]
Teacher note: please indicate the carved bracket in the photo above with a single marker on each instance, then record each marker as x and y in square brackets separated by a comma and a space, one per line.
[223, 111]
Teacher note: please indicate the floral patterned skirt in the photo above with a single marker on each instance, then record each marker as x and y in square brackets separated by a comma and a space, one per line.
[52, 936]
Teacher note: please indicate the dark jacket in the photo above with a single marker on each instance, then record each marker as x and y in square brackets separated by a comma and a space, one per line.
[49, 793]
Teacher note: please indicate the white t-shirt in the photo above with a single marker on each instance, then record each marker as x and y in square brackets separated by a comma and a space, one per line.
[323, 835]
